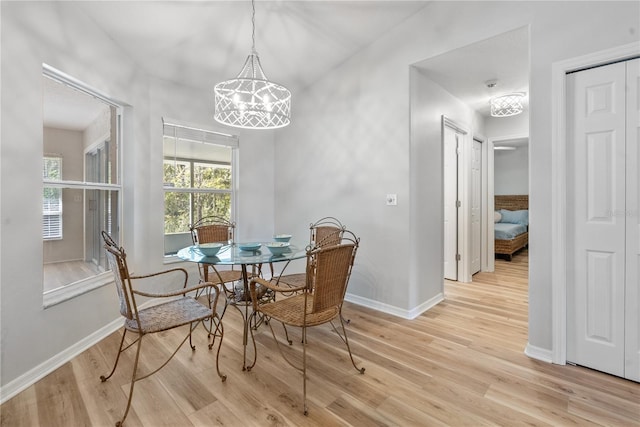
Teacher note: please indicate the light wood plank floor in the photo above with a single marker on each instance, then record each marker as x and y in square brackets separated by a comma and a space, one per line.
[461, 363]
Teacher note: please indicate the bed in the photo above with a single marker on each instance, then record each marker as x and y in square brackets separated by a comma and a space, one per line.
[511, 225]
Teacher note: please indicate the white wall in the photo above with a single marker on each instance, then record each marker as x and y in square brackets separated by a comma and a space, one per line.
[56, 33]
[34, 33]
[511, 168]
[511, 171]
[505, 127]
[356, 150]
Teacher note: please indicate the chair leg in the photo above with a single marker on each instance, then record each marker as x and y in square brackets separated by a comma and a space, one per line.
[218, 332]
[120, 350]
[346, 341]
[286, 334]
[193, 347]
[284, 356]
[249, 331]
[347, 321]
[304, 371]
[133, 381]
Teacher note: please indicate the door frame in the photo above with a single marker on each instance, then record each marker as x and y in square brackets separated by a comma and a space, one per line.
[559, 186]
[463, 215]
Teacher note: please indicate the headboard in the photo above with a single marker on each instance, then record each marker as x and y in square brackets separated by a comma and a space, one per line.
[512, 203]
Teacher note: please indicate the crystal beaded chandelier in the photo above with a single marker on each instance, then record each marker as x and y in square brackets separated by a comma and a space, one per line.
[250, 100]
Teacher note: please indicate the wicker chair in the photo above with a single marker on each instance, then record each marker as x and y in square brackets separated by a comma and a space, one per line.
[214, 229]
[179, 310]
[324, 232]
[318, 301]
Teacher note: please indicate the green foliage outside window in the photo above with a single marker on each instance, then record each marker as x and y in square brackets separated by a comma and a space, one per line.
[184, 208]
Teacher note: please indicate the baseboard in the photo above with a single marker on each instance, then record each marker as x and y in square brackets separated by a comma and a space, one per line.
[31, 377]
[538, 353]
[393, 310]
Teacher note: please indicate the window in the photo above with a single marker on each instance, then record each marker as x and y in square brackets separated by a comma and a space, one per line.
[198, 180]
[81, 183]
[52, 199]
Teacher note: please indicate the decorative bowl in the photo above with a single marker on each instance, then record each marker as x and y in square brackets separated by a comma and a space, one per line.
[210, 249]
[251, 247]
[282, 237]
[278, 248]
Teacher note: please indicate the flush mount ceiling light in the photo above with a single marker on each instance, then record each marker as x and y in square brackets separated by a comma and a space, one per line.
[504, 105]
[250, 100]
[507, 105]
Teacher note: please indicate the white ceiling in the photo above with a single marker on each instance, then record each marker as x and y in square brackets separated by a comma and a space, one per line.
[297, 41]
[464, 72]
[195, 42]
[66, 108]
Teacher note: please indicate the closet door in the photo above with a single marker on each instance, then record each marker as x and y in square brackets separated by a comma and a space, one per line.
[632, 321]
[596, 198]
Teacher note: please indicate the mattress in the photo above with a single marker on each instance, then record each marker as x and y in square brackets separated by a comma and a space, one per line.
[507, 231]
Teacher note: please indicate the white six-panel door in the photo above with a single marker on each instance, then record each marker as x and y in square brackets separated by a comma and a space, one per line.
[602, 282]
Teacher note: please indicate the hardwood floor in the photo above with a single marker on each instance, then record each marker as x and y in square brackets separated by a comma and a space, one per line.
[461, 363]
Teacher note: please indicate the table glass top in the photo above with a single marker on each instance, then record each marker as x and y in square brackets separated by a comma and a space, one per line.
[233, 255]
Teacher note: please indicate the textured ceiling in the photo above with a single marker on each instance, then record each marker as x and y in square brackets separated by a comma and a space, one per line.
[194, 42]
[200, 43]
[464, 72]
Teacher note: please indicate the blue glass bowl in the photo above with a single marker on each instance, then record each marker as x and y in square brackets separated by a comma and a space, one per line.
[278, 248]
[282, 237]
[210, 249]
[251, 247]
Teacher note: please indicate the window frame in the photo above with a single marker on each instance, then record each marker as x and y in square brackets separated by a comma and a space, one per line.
[82, 286]
[197, 133]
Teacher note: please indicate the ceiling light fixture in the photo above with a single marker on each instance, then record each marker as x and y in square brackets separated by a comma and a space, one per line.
[251, 101]
[507, 105]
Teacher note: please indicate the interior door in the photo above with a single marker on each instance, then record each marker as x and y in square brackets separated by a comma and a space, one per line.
[450, 165]
[595, 208]
[476, 205]
[632, 215]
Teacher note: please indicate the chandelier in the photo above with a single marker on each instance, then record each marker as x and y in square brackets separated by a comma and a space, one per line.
[507, 105]
[250, 100]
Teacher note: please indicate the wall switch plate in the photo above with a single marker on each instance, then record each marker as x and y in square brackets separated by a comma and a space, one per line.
[392, 199]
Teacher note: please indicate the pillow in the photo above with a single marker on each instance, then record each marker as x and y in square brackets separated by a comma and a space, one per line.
[515, 217]
[497, 217]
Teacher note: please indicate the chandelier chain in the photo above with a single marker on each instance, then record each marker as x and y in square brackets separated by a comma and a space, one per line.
[253, 26]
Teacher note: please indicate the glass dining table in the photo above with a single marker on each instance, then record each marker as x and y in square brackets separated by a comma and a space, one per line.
[250, 263]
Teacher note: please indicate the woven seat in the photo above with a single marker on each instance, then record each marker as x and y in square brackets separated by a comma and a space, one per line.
[178, 310]
[168, 315]
[289, 311]
[316, 302]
